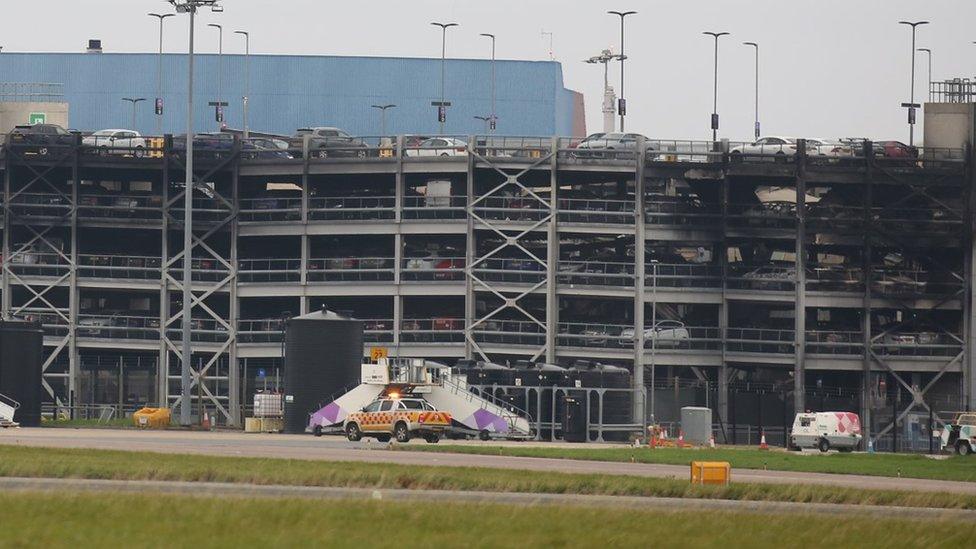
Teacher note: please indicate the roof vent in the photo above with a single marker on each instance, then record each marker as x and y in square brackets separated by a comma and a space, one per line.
[94, 46]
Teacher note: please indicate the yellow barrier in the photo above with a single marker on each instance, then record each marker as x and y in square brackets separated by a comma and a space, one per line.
[152, 418]
[710, 472]
[155, 147]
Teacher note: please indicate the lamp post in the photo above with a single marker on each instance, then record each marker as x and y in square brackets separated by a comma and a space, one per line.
[621, 102]
[911, 106]
[133, 100]
[190, 7]
[609, 110]
[654, 264]
[247, 77]
[220, 64]
[159, 75]
[442, 105]
[715, 35]
[929, 85]
[382, 109]
[493, 117]
[755, 45]
[485, 119]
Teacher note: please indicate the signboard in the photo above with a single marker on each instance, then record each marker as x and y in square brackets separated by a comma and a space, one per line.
[377, 353]
[159, 106]
[37, 118]
[376, 374]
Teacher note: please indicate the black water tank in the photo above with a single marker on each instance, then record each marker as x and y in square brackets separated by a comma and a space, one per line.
[574, 419]
[323, 356]
[21, 345]
[617, 405]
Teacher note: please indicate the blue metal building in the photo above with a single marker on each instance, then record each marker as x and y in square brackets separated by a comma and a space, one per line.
[291, 91]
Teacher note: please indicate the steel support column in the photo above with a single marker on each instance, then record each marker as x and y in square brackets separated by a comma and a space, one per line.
[552, 255]
[800, 312]
[640, 280]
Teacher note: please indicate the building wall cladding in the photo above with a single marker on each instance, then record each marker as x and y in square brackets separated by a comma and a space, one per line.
[291, 91]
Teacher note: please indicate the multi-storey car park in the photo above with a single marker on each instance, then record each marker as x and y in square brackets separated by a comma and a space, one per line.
[804, 281]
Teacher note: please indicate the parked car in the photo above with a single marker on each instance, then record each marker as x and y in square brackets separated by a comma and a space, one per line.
[666, 334]
[38, 138]
[124, 142]
[776, 147]
[607, 145]
[826, 430]
[898, 341]
[439, 146]
[328, 142]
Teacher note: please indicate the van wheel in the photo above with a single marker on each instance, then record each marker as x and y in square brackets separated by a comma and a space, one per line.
[484, 435]
[401, 433]
[322, 153]
[140, 150]
[962, 448]
[317, 430]
[824, 445]
[432, 438]
[353, 433]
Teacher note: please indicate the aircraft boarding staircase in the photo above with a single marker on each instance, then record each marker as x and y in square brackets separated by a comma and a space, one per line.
[472, 413]
[8, 407]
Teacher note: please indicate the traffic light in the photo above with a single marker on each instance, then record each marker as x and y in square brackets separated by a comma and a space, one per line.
[622, 106]
[442, 114]
[159, 106]
[491, 124]
[219, 112]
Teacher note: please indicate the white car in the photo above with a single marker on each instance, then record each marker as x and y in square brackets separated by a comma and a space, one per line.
[439, 146]
[128, 142]
[767, 146]
[666, 334]
[779, 147]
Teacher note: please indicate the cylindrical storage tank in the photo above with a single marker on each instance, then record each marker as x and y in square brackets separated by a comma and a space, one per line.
[617, 405]
[323, 356]
[21, 346]
[696, 423]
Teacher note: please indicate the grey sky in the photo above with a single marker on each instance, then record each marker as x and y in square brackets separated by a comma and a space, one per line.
[830, 68]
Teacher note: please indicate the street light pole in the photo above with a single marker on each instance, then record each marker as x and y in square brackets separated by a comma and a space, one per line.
[715, 35]
[442, 114]
[220, 64]
[911, 102]
[485, 119]
[491, 124]
[247, 77]
[621, 102]
[159, 76]
[929, 85]
[133, 100]
[186, 350]
[755, 45]
[382, 109]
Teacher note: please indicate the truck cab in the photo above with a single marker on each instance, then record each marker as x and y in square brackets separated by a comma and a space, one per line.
[960, 435]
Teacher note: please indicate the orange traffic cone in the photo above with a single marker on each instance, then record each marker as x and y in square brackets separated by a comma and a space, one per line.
[762, 442]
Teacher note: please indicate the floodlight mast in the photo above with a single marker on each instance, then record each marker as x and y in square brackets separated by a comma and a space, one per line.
[190, 7]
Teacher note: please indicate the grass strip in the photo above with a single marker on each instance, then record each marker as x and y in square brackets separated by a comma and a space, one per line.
[18, 461]
[956, 468]
[76, 519]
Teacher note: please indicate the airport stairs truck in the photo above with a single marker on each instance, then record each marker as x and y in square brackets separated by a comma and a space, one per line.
[8, 407]
[472, 413]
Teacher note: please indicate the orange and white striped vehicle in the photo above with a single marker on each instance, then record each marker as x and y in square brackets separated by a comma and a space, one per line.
[399, 418]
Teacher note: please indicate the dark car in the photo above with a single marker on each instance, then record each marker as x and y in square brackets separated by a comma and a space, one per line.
[38, 138]
[327, 142]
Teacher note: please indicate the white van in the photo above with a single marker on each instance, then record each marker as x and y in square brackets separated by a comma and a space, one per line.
[826, 430]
